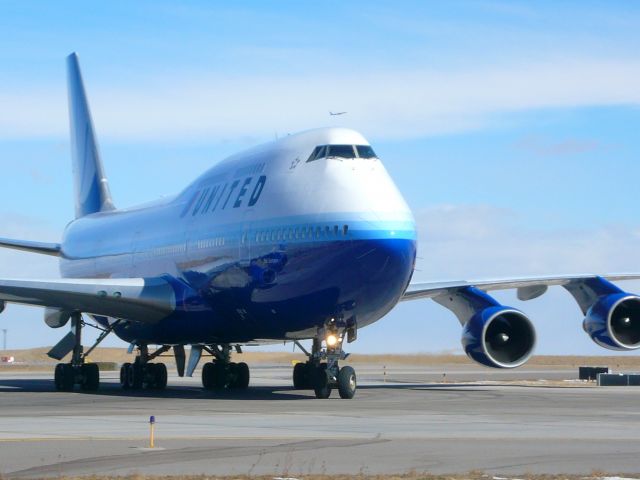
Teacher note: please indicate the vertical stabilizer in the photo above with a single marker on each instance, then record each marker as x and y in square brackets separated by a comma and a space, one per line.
[91, 187]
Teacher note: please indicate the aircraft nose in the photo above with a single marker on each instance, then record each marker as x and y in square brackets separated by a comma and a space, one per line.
[384, 270]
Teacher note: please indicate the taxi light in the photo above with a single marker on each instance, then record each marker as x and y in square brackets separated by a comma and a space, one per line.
[332, 340]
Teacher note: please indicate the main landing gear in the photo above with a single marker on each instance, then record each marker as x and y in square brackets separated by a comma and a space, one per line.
[144, 374]
[78, 371]
[321, 373]
[222, 373]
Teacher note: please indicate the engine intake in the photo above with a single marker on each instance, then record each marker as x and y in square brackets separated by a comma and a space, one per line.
[613, 322]
[499, 337]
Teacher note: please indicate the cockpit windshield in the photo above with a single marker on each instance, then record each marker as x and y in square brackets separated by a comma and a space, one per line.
[342, 152]
[365, 151]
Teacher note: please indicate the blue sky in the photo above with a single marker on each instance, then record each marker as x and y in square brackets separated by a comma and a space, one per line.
[511, 127]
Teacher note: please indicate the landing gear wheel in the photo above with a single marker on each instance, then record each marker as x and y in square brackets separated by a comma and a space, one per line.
[90, 374]
[321, 385]
[207, 375]
[64, 377]
[159, 373]
[135, 376]
[241, 376]
[347, 382]
[301, 376]
[219, 375]
[124, 376]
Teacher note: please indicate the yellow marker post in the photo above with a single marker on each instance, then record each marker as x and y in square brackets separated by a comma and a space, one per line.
[152, 425]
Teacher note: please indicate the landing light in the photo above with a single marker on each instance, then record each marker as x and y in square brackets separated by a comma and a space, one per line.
[332, 340]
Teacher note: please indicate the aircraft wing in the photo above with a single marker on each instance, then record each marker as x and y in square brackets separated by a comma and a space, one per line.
[528, 287]
[31, 246]
[141, 299]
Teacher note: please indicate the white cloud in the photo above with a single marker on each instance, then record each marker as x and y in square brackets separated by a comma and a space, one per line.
[480, 241]
[398, 104]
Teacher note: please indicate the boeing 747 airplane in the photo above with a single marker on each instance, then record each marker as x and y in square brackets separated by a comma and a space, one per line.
[305, 238]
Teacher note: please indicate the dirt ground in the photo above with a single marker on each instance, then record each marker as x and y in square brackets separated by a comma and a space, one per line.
[37, 359]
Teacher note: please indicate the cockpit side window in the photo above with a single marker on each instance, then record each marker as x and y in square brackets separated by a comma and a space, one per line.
[341, 151]
[365, 151]
[318, 153]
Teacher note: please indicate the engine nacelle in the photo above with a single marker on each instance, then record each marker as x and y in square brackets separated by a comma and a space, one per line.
[55, 317]
[499, 337]
[613, 322]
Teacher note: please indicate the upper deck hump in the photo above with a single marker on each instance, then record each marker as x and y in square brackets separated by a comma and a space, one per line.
[305, 140]
[302, 141]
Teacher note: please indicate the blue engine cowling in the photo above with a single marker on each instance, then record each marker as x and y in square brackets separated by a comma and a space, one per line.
[499, 337]
[613, 321]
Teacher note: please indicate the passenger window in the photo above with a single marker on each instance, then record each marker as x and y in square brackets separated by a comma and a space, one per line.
[341, 151]
[335, 230]
[365, 151]
[345, 229]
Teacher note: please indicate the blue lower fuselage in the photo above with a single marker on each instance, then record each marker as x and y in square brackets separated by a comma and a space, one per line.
[256, 282]
[290, 293]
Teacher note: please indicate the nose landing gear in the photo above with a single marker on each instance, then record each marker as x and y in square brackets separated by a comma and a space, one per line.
[322, 373]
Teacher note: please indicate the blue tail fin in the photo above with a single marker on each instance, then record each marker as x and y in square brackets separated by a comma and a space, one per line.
[91, 187]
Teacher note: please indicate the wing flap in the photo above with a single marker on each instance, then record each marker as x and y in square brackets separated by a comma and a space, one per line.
[140, 299]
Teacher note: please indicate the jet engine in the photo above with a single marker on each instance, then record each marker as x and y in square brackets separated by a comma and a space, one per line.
[613, 322]
[499, 337]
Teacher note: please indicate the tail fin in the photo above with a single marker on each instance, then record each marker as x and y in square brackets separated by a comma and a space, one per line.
[90, 181]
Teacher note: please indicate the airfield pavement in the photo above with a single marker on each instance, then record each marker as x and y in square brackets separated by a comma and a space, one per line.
[478, 420]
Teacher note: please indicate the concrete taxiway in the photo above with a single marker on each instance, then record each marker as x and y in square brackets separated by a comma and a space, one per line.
[406, 420]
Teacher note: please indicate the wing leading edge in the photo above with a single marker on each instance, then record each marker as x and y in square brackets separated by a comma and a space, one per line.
[528, 287]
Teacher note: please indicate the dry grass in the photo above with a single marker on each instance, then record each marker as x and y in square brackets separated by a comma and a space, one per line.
[37, 359]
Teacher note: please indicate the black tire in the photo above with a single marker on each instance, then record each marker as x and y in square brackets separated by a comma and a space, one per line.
[207, 375]
[135, 376]
[242, 376]
[347, 383]
[58, 376]
[66, 377]
[124, 376]
[321, 385]
[160, 376]
[90, 377]
[301, 376]
[220, 376]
